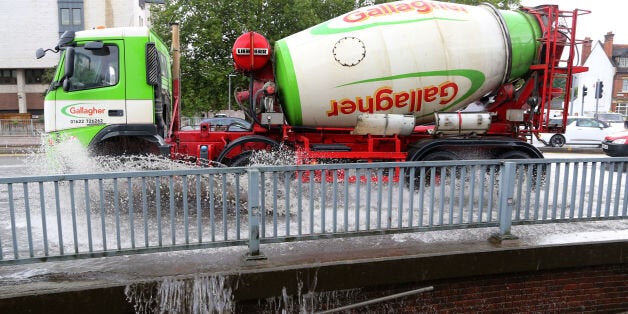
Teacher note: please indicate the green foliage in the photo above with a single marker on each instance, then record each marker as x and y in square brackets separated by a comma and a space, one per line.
[48, 75]
[209, 29]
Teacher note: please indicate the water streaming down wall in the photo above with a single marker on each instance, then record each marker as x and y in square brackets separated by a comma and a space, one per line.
[201, 294]
[215, 294]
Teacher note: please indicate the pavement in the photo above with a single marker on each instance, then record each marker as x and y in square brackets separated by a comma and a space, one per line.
[19, 144]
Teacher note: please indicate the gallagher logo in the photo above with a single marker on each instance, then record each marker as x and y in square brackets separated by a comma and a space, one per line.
[421, 7]
[446, 94]
[81, 110]
[402, 12]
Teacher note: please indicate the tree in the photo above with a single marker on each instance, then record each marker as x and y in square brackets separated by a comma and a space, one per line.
[209, 28]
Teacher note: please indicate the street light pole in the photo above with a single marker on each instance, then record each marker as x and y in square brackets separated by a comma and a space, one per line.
[230, 76]
[597, 100]
[584, 93]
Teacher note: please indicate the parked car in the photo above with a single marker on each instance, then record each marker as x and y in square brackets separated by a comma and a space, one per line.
[616, 145]
[221, 123]
[579, 131]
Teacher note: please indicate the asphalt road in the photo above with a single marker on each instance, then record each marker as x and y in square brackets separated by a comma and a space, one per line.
[13, 165]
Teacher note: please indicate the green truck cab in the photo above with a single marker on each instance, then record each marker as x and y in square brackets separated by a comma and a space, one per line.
[111, 91]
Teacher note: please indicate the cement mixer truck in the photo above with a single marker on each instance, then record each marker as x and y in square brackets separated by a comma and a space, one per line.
[389, 82]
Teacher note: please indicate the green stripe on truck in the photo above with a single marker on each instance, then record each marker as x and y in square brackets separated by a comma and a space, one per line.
[288, 85]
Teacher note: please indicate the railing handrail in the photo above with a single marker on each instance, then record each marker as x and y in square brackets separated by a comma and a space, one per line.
[21, 127]
[312, 167]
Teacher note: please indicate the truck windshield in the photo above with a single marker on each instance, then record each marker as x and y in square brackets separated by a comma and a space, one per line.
[95, 68]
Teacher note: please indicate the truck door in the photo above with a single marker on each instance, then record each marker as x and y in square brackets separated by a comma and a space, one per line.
[94, 95]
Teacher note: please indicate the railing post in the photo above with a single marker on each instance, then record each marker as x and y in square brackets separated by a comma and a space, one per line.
[506, 202]
[254, 215]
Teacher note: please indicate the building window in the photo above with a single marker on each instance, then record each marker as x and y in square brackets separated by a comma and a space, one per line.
[624, 85]
[622, 108]
[70, 15]
[8, 77]
[34, 76]
[65, 17]
[622, 62]
[77, 16]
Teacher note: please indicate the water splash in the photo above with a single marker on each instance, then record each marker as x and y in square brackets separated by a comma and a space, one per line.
[202, 294]
[69, 156]
[308, 302]
[214, 294]
[280, 156]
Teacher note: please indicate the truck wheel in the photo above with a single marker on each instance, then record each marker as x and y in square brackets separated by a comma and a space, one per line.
[513, 154]
[522, 172]
[557, 140]
[241, 150]
[242, 160]
[438, 155]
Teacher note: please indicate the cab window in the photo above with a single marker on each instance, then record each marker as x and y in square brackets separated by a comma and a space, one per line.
[95, 68]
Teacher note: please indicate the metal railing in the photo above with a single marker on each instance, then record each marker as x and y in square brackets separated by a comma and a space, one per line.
[91, 215]
[21, 127]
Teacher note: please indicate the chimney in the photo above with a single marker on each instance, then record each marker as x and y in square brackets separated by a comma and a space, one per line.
[586, 50]
[608, 44]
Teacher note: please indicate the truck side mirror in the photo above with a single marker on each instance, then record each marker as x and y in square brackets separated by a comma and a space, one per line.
[66, 38]
[67, 84]
[40, 53]
[68, 67]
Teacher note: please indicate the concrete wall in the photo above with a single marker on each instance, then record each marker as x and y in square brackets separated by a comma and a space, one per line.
[581, 277]
[27, 25]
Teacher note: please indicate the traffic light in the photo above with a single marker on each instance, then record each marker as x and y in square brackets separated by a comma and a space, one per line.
[599, 89]
[584, 91]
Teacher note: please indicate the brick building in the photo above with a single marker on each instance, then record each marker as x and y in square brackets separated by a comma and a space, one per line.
[36, 24]
[619, 58]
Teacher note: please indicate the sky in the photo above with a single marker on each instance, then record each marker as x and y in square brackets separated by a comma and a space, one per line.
[606, 15]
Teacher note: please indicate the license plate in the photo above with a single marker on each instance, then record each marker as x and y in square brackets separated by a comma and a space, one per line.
[604, 146]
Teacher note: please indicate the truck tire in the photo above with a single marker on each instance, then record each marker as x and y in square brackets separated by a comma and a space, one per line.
[522, 172]
[241, 150]
[513, 154]
[438, 155]
[242, 160]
